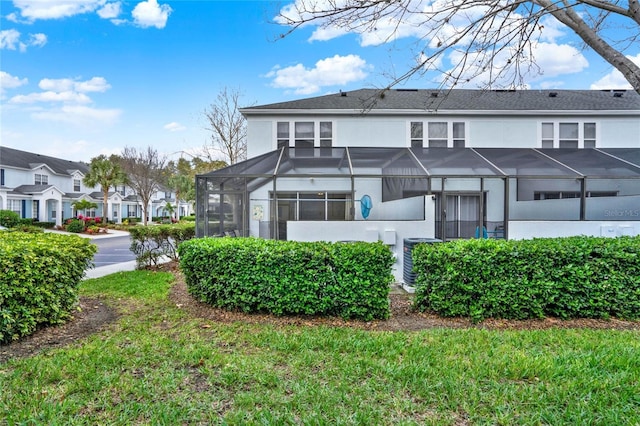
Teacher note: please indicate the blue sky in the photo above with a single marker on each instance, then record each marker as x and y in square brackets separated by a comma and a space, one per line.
[81, 78]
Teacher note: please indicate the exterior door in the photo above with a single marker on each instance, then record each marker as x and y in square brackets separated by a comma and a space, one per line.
[460, 217]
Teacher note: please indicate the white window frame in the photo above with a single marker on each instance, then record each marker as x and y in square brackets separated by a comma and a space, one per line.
[423, 138]
[15, 206]
[555, 137]
[40, 179]
[78, 181]
[320, 138]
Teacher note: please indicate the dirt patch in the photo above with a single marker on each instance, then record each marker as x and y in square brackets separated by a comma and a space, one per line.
[92, 317]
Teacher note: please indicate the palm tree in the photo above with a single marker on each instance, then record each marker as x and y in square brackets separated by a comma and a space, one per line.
[105, 172]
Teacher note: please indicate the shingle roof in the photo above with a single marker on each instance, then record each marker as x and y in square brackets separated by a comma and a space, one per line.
[26, 160]
[467, 100]
[30, 189]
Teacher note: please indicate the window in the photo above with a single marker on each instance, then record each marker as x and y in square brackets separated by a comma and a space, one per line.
[589, 135]
[76, 185]
[41, 179]
[416, 134]
[547, 135]
[458, 135]
[562, 195]
[314, 206]
[283, 134]
[306, 134]
[440, 134]
[35, 209]
[437, 134]
[326, 134]
[568, 135]
[1, 177]
[15, 206]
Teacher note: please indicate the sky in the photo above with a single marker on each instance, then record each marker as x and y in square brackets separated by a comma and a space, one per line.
[80, 78]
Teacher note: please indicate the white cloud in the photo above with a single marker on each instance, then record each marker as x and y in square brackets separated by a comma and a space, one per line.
[65, 96]
[95, 84]
[7, 81]
[10, 39]
[79, 115]
[151, 14]
[174, 127]
[55, 9]
[37, 39]
[337, 70]
[552, 60]
[614, 79]
[33, 10]
[110, 10]
[559, 59]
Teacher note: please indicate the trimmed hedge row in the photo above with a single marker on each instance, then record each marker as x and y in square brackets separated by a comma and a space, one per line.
[151, 243]
[576, 277]
[350, 280]
[39, 279]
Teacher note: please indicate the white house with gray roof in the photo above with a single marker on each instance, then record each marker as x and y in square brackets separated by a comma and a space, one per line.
[396, 165]
[44, 188]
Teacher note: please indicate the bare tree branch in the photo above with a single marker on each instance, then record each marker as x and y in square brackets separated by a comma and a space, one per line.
[228, 128]
[494, 39]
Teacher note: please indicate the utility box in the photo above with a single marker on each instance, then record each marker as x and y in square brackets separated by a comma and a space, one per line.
[409, 277]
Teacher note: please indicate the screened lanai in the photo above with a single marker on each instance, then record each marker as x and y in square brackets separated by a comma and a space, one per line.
[468, 189]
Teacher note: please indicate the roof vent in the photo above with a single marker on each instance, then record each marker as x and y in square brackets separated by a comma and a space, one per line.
[434, 94]
[343, 93]
[617, 94]
[553, 94]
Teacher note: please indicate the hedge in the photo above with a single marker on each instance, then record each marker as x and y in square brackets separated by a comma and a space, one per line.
[350, 280]
[576, 277]
[39, 279]
[153, 242]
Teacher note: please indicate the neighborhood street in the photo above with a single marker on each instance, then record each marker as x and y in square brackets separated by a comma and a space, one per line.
[113, 250]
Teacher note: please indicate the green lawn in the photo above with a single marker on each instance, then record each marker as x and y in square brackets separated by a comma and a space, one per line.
[157, 365]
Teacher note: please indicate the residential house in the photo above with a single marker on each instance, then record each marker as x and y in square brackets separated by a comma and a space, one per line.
[45, 188]
[399, 165]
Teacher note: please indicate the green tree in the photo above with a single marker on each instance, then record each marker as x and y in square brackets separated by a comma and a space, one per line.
[105, 172]
[182, 177]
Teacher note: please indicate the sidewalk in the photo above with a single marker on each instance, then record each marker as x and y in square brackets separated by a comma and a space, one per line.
[109, 269]
[112, 233]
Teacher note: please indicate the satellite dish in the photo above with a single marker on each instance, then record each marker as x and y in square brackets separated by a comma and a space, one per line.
[365, 206]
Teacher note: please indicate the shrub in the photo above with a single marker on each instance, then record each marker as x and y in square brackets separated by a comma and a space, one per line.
[289, 277]
[577, 277]
[27, 228]
[39, 280]
[9, 218]
[151, 243]
[75, 225]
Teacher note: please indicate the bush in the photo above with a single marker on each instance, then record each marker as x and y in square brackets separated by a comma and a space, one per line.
[151, 243]
[39, 280]
[289, 277]
[9, 218]
[27, 228]
[75, 225]
[577, 277]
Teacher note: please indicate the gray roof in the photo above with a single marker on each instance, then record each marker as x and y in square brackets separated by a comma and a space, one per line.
[27, 160]
[30, 189]
[466, 100]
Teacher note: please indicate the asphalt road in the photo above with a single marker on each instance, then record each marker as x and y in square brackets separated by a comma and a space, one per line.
[113, 250]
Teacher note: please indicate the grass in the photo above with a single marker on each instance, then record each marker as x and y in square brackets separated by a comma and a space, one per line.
[157, 365]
